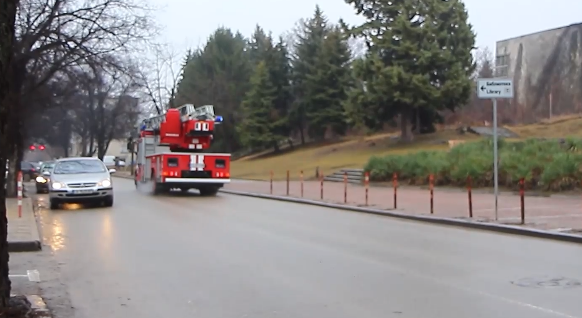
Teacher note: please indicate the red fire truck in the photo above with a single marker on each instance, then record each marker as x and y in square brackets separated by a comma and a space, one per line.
[171, 152]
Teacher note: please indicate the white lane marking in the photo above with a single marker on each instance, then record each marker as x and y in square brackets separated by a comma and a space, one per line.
[32, 275]
[526, 305]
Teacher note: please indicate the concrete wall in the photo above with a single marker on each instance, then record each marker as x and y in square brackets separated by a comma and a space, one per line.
[118, 148]
[546, 68]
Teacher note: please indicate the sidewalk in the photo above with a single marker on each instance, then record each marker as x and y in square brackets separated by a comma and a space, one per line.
[545, 213]
[23, 233]
[561, 213]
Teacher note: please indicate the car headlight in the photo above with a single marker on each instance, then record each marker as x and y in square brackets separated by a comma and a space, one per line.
[57, 185]
[105, 183]
[40, 180]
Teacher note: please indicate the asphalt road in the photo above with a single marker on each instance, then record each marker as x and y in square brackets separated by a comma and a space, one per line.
[231, 257]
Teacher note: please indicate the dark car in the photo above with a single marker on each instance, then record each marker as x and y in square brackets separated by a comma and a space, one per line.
[29, 171]
[43, 180]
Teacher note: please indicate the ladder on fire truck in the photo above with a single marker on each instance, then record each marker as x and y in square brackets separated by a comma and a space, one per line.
[187, 112]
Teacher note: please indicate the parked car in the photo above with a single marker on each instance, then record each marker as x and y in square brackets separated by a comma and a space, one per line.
[43, 180]
[79, 180]
[112, 161]
[29, 171]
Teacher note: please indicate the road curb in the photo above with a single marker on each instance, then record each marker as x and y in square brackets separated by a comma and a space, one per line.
[500, 228]
[24, 246]
[33, 245]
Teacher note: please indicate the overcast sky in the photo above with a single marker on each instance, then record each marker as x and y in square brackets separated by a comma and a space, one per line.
[188, 23]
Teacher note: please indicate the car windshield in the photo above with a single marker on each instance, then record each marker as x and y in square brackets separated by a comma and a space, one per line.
[79, 166]
[47, 166]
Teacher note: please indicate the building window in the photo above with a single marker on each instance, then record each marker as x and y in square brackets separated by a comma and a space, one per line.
[502, 65]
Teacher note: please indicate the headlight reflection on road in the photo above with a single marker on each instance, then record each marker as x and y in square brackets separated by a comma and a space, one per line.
[72, 206]
[57, 241]
[106, 237]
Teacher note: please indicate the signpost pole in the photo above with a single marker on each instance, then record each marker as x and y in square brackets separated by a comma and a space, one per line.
[495, 159]
[494, 89]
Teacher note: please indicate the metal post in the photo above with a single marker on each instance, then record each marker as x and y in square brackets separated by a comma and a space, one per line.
[495, 159]
[19, 183]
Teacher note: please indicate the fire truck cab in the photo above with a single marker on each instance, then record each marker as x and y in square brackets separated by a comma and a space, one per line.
[171, 152]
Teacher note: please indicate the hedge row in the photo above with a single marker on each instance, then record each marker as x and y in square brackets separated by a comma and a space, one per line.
[545, 165]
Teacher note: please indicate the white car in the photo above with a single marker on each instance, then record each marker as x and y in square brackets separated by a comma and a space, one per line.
[110, 161]
[79, 180]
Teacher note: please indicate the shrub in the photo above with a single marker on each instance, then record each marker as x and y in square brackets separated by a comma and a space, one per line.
[543, 164]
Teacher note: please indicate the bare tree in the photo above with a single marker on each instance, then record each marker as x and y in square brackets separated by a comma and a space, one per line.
[8, 9]
[55, 34]
[38, 40]
[159, 77]
[104, 107]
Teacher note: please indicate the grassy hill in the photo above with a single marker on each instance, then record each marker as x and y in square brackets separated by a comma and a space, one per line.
[354, 152]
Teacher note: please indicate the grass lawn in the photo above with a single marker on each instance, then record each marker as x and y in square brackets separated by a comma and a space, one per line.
[354, 152]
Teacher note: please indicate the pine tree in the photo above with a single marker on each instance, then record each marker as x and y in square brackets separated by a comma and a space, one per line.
[218, 74]
[260, 46]
[419, 60]
[327, 86]
[280, 75]
[257, 129]
[309, 40]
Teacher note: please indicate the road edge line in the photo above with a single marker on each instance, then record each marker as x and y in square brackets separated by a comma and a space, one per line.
[499, 228]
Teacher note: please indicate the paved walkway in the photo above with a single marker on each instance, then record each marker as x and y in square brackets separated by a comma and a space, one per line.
[562, 213]
[549, 213]
[23, 234]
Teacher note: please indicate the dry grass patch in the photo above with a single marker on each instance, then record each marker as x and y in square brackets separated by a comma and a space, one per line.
[557, 127]
[348, 153]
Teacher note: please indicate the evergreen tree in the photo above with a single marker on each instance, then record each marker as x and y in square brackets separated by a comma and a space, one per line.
[218, 74]
[258, 128]
[327, 86]
[276, 58]
[309, 40]
[419, 61]
[280, 75]
[260, 46]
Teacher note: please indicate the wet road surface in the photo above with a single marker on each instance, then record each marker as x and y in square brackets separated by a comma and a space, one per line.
[229, 256]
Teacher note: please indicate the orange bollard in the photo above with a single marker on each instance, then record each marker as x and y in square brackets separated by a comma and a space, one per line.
[287, 182]
[522, 199]
[395, 186]
[431, 187]
[367, 185]
[321, 185]
[301, 179]
[345, 187]
[469, 181]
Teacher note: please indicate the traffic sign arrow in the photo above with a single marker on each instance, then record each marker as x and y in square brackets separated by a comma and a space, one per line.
[483, 88]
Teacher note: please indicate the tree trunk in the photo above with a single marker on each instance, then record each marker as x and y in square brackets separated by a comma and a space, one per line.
[405, 126]
[11, 182]
[417, 121]
[7, 38]
[276, 146]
